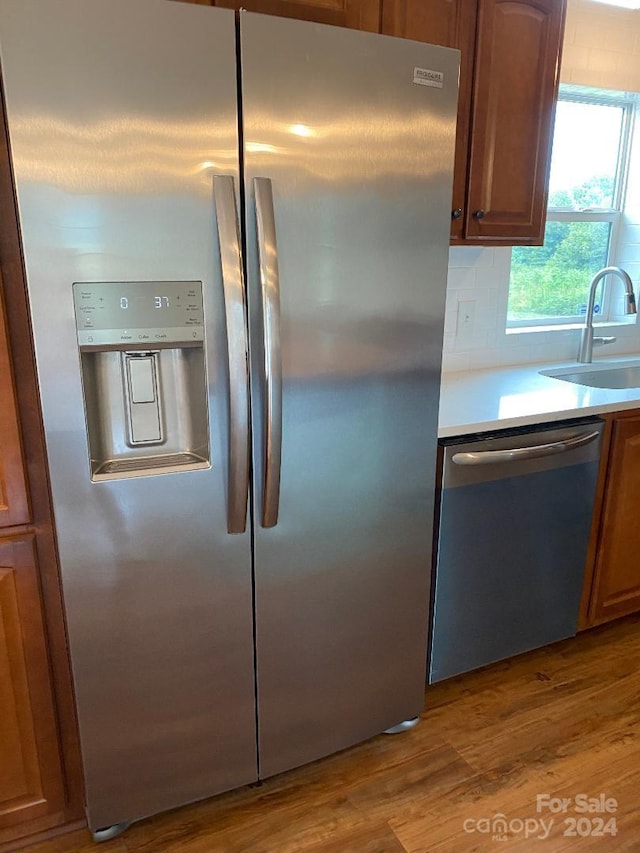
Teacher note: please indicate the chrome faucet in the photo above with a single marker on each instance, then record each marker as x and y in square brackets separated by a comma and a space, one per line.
[587, 341]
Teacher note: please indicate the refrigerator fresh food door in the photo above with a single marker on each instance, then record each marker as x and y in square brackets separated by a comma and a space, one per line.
[348, 144]
[120, 115]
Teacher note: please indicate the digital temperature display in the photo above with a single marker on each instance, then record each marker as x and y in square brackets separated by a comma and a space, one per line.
[138, 311]
[158, 302]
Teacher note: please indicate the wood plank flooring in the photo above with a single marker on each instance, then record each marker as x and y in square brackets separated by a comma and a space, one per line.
[562, 721]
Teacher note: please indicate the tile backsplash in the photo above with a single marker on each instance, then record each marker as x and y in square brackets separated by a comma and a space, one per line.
[475, 334]
[601, 46]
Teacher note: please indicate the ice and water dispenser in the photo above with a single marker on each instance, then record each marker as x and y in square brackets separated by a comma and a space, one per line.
[143, 376]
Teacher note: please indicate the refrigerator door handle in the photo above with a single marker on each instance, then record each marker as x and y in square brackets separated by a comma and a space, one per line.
[270, 288]
[234, 301]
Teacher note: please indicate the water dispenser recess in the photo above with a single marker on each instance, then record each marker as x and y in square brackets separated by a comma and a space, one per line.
[143, 376]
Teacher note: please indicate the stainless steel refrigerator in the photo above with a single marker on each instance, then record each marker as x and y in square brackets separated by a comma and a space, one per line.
[242, 474]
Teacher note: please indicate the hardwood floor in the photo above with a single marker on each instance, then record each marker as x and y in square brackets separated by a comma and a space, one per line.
[561, 721]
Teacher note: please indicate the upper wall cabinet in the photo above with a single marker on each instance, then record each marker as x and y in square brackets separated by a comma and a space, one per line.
[357, 14]
[508, 83]
[451, 23]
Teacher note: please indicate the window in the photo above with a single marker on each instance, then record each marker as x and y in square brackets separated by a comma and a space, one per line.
[549, 284]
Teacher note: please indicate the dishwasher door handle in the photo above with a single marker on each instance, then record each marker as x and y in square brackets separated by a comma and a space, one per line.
[517, 454]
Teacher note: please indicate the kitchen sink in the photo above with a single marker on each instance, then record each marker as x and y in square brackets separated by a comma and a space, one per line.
[623, 375]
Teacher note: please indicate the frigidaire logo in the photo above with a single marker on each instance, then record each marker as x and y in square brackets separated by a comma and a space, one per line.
[427, 77]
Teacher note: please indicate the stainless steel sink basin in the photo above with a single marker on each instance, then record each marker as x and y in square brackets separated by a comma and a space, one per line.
[624, 375]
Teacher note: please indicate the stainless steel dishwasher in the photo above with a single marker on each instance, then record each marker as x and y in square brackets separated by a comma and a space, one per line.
[514, 518]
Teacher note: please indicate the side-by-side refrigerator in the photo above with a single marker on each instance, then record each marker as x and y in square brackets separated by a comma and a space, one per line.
[235, 232]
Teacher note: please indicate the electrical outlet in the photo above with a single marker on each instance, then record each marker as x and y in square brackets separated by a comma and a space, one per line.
[466, 316]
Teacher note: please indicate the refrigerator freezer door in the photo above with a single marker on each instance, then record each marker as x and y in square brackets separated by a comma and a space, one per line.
[359, 153]
[120, 114]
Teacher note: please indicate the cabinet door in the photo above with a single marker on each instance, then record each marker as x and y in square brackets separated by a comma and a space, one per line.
[14, 508]
[515, 85]
[357, 14]
[616, 589]
[30, 772]
[450, 23]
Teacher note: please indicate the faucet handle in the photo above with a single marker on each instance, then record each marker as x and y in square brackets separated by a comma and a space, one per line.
[600, 341]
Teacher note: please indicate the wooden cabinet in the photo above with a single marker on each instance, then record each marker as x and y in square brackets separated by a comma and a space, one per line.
[357, 14]
[14, 508]
[613, 586]
[510, 61]
[31, 777]
[31, 782]
[514, 93]
[509, 74]
[40, 770]
[32, 785]
[450, 23]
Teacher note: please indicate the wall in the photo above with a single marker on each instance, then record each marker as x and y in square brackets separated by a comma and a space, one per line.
[602, 49]
[601, 46]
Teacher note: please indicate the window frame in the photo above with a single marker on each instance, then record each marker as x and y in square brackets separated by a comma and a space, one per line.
[612, 215]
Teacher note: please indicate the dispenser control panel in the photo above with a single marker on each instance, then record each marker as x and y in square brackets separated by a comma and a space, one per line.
[121, 313]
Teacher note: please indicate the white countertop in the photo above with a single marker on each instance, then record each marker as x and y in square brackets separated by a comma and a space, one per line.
[483, 400]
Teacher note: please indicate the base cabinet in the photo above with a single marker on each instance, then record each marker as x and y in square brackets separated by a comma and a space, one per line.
[614, 586]
[34, 796]
[40, 771]
[31, 778]
[30, 771]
